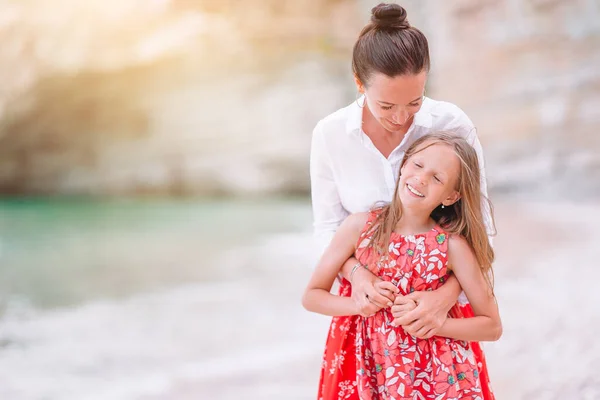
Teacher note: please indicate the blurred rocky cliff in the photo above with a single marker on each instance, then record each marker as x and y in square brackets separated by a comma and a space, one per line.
[139, 96]
[220, 97]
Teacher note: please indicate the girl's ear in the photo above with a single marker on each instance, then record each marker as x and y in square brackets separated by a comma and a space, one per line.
[453, 198]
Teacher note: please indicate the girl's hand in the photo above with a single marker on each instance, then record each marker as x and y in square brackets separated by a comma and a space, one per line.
[402, 305]
[370, 293]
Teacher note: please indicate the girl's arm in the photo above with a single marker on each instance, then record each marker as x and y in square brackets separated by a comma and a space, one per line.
[486, 325]
[317, 297]
[329, 214]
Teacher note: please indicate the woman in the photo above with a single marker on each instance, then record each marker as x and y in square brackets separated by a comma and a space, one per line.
[355, 158]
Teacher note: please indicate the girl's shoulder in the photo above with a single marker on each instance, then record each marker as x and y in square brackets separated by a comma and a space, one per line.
[458, 246]
[358, 224]
[358, 220]
[362, 222]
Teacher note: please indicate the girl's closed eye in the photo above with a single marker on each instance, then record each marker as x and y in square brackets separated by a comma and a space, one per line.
[418, 165]
[437, 179]
[386, 107]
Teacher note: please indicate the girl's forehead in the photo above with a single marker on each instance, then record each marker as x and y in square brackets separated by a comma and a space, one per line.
[438, 155]
[431, 146]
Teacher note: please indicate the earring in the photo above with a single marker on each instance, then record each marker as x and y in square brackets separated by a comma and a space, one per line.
[359, 95]
[442, 206]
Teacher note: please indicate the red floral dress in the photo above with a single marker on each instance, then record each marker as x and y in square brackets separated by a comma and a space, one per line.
[368, 358]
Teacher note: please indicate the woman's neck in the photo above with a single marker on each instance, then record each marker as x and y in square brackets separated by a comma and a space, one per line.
[375, 130]
[384, 140]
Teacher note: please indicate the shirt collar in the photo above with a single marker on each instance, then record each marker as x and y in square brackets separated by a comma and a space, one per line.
[355, 112]
[423, 118]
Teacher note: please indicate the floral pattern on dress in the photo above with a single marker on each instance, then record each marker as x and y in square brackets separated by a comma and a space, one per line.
[368, 358]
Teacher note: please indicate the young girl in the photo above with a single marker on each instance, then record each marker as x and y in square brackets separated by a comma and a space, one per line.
[432, 228]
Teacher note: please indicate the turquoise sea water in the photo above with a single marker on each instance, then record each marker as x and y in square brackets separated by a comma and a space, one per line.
[57, 252]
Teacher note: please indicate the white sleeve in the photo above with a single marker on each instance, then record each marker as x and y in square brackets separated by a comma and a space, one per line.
[328, 212]
[485, 209]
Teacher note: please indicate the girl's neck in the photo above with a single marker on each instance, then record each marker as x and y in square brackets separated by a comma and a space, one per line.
[414, 222]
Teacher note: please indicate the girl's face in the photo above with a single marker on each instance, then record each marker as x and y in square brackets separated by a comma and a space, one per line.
[429, 178]
[394, 101]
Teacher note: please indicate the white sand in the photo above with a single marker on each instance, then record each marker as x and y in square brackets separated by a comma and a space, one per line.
[249, 337]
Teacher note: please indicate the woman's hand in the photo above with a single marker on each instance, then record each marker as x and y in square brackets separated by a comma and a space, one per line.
[402, 305]
[431, 310]
[421, 314]
[370, 293]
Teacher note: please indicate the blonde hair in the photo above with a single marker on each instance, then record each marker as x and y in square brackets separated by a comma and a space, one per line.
[465, 217]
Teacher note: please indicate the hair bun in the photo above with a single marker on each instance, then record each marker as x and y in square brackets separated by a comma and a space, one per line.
[389, 16]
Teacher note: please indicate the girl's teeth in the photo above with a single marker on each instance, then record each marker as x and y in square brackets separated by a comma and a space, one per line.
[413, 190]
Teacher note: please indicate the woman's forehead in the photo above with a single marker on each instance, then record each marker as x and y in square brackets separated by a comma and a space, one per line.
[401, 89]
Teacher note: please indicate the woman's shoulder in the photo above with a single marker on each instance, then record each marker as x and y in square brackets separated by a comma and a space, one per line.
[339, 121]
[448, 117]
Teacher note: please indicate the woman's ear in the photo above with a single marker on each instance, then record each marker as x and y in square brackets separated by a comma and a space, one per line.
[453, 198]
[359, 86]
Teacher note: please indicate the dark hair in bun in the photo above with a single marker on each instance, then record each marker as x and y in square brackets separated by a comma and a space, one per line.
[389, 16]
[389, 45]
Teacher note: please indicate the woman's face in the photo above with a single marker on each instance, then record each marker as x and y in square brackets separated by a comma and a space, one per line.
[394, 101]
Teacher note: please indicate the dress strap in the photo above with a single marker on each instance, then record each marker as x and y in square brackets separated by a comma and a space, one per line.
[365, 235]
[441, 238]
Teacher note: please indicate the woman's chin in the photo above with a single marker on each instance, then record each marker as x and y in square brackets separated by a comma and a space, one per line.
[392, 127]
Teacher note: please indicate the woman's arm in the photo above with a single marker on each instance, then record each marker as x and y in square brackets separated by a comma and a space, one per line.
[328, 212]
[486, 325]
[317, 297]
[486, 209]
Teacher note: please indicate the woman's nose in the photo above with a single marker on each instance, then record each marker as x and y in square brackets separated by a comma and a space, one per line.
[401, 117]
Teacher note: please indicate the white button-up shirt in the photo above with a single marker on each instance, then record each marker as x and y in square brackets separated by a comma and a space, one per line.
[348, 174]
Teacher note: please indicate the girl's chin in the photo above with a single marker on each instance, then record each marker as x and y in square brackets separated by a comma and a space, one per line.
[410, 199]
